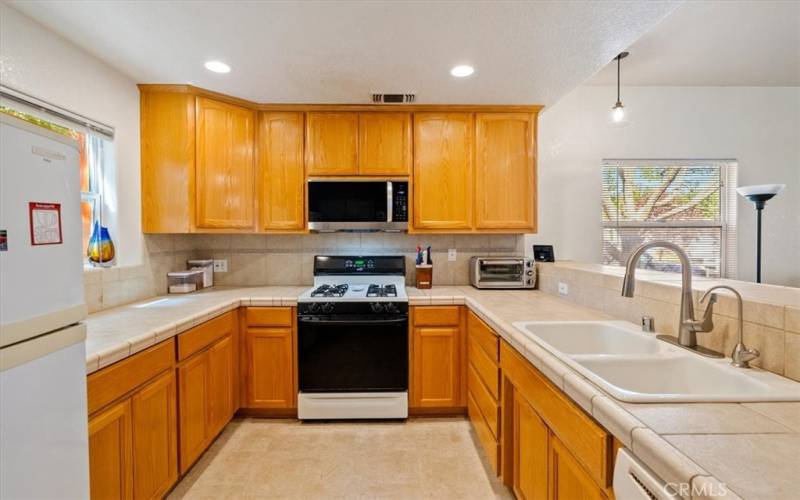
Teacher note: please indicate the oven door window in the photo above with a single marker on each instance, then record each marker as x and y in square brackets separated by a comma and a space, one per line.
[353, 356]
[500, 272]
[347, 201]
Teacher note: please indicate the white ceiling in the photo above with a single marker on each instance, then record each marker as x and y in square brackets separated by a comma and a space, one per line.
[717, 43]
[523, 52]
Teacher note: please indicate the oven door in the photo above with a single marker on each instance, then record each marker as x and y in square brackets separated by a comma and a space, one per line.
[353, 354]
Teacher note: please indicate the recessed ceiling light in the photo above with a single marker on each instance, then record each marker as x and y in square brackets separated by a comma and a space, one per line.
[217, 67]
[462, 70]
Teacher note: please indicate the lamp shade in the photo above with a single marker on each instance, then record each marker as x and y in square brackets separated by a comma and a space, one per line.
[760, 189]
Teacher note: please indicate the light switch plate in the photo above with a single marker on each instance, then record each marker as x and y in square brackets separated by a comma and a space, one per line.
[220, 265]
[563, 288]
[452, 254]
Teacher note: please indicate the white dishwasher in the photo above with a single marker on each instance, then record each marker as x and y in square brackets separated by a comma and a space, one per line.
[634, 481]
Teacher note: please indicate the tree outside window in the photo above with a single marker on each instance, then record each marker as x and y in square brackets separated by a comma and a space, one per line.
[690, 203]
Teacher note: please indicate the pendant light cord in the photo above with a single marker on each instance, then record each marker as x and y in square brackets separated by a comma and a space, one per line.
[618, 64]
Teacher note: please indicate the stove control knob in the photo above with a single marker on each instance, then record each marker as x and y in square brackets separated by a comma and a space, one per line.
[313, 307]
[391, 308]
[377, 307]
[327, 307]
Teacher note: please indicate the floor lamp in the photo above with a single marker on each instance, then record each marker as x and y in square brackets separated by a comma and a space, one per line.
[759, 194]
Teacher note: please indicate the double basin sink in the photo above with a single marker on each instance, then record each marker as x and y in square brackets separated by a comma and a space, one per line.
[634, 366]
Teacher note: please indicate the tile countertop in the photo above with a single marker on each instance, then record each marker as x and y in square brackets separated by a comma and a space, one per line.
[751, 448]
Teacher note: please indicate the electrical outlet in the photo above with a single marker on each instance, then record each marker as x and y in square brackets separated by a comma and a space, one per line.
[563, 288]
[452, 254]
[220, 265]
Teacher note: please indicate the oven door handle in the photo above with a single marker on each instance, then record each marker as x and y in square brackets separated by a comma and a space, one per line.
[354, 322]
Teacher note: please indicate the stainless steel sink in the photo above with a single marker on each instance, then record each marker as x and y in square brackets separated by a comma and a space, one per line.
[636, 367]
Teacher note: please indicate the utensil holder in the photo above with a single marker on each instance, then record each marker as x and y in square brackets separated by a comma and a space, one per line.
[424, 276]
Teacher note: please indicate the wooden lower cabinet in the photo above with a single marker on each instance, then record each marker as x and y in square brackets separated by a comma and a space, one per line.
[530, 451]
[553, 450]
[133, 427]
[155, 437]
[436, 379]
[220, 385]
[205, 398]
[193, 408]
[437, 359]
[111, 452]
[269, 368]
[568, 479]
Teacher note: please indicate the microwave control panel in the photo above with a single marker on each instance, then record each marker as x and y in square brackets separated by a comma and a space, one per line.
[400, 201]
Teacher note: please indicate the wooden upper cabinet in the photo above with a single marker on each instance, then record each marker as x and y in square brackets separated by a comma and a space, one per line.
[504, 171]
[281, 174]
[110, 453]
[443, 171]
[225, 170]
[384, 143]
[167, 161]
[332, 143]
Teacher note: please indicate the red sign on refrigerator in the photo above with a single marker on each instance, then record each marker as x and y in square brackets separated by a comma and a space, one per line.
[45, 223]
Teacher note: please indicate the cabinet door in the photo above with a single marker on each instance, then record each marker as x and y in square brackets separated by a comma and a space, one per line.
[193, 389]
[436, 377]
[332, 143]
[443, 172]
[155, 437]
[225, 172]
[269, 368]
[220, 385]
[281, 171]
[568, 480]
[504, 171]
[384, 143]
[110, 453]
[530, 457]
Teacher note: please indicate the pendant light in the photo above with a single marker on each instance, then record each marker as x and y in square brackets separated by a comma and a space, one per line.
[618, 111]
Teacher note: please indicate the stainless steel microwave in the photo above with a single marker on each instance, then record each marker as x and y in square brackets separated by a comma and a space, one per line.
[502, 272]
[354, 205]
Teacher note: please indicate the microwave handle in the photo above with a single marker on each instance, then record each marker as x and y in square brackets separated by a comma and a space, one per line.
[389, 202]
[503, 262]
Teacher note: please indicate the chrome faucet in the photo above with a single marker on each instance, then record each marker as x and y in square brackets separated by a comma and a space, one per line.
[687, 326]
[741, 355]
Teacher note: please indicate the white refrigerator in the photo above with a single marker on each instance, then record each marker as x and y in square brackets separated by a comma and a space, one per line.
[43, 421]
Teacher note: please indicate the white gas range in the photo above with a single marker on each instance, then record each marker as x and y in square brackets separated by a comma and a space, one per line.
[353, 339]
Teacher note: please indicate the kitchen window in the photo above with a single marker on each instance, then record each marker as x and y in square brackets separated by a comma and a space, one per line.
[691, 203]
[95, 142]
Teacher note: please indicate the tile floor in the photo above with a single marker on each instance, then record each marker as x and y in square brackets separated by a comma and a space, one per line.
[422, 458]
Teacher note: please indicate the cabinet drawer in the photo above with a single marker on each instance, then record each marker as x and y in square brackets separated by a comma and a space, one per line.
[113, 382]
[269, 316]
[486, 404]
[484, 336]
[579, 432]
[199, 337]
[486, 369]
[437, 315]
[490, 446]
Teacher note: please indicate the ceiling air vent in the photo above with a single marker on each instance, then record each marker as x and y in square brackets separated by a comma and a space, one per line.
[393, 98]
